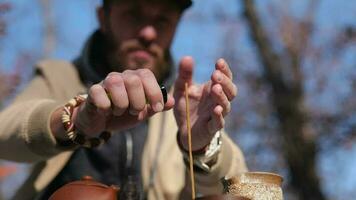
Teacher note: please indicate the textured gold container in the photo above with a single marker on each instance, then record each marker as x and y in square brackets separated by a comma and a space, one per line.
[256, 186]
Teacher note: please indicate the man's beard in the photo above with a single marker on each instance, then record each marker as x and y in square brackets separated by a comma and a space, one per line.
[123, 56]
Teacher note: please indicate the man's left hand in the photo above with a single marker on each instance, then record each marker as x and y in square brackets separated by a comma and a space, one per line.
[209, 102]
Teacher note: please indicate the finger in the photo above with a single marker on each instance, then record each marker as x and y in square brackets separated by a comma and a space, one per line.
[143, 114]
[228, 86]
[135, 92]
[152, 89]
[150, 112]
[222, 65]
[221, 99]
[185, 73]
[98, 99]
[170, 102]
[115, 87]
[217, 121]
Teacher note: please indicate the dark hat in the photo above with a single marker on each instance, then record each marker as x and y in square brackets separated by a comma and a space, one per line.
[183, 4]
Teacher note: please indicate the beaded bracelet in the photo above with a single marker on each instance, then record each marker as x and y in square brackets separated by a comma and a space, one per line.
[69, 127]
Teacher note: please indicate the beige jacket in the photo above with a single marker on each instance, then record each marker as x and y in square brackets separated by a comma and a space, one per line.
[25, 136]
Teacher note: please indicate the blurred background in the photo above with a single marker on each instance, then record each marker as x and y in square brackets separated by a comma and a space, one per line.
[293, 60]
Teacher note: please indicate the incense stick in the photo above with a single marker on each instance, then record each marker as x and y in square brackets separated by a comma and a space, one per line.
[189, 142]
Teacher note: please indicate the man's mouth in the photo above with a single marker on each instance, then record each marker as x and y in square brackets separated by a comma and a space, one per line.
[141, 54]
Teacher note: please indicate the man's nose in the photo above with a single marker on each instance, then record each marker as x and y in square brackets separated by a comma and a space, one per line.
[147, 35]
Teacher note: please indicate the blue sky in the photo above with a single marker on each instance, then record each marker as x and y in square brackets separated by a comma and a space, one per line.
[73, 27]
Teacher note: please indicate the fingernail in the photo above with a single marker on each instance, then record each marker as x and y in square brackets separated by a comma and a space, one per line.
[134, 112]
[221, 61]
[158, 107]
[118, 112]
[218, 77]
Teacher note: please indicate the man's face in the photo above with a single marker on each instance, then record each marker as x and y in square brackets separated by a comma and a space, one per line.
[139, 34]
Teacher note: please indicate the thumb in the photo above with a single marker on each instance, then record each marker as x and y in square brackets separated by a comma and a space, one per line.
[185, 73]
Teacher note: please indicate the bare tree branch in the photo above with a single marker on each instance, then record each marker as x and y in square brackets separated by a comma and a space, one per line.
[288, 99]
[49, 38]
[4, 7]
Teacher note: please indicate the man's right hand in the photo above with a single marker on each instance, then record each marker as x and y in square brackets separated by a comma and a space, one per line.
[119, 102]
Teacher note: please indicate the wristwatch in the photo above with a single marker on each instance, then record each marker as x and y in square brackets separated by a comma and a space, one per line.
[203, 161]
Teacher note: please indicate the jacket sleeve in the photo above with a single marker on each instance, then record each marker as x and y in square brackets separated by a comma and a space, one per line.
[24, 125]
[230, 163]
[25, 134]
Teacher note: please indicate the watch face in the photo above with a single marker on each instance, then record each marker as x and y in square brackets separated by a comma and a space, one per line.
[205, 161]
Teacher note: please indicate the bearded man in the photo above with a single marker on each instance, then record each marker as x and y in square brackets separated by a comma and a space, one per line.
[120, 69]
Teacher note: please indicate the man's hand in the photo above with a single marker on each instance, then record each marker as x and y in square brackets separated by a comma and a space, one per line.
[209, 102]
[120, 101]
